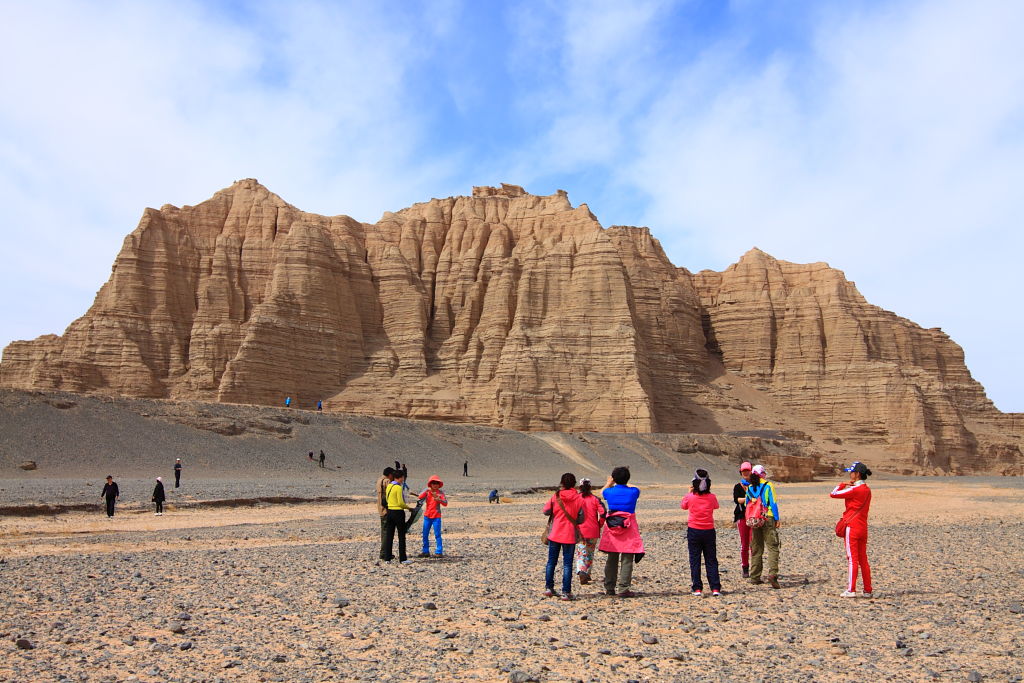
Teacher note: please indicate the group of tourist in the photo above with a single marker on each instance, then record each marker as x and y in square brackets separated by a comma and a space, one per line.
[112, 492]
[581, 522]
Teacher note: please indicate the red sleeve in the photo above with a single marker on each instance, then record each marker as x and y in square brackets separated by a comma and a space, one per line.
[422, 495]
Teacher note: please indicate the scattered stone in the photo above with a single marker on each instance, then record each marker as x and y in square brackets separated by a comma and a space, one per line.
[974, 677]
[187, 645]
[649, 639]
[429, 605]
[176, 627]
[279, 658]
[28, 465]
[25, 644]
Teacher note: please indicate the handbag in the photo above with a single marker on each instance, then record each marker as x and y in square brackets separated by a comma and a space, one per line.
[547, 527]
[841, 528]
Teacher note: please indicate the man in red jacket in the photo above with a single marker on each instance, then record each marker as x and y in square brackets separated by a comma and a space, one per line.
[853, 527]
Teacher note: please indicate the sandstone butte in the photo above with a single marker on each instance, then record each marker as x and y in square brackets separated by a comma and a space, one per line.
[516, 311]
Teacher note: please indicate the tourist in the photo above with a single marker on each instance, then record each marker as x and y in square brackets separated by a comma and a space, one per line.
[110, 493]
[322, 458]
[853, 527]
[492, 497]
[177, 472]
[435, 499]
[159, 496]
[739, 496]
[700, 533]
[566, 511]
[319, 406]
[590, 530]
[764, 539]
[465, 469]
[311, 456]
[382, 504]
[621, 538]
[287, 401]
[395, 519]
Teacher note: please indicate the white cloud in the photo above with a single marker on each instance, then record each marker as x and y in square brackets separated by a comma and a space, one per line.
[893, 148]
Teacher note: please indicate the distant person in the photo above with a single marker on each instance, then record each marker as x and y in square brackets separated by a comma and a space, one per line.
[621, 538]
[566, 511]
[311, 456]
[492, 497]
[764, 539]
[382, 504]
[700, 533]
[739, 496]
[319, 406]
[323, 458]
[853, 526]
[177, 472]
[590, 530]
[435, 500]
[465, 469]
[395, 520]
[288, 402]
[159, 496]
[110, 493]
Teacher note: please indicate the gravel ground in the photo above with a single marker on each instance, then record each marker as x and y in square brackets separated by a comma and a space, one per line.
[294, 593]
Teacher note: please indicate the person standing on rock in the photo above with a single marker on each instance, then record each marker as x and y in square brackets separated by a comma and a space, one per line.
[853, 526]
[382, 505]
[566, 511]
[739, 496]
[395, 520]
[700, 533]
[590, 529]
[177, 472]
[159, 496]
[110, 493]
[323, 458]
[621, 538]
[764, 539]
[435, 499]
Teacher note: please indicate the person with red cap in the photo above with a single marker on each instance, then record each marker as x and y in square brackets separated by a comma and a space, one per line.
[435, 500]
[739, 496]
[853, 526]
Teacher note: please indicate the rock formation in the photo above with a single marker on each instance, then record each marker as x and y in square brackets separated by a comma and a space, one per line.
[511, 310]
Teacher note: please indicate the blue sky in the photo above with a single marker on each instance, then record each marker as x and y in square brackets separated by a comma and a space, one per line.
[884, 138]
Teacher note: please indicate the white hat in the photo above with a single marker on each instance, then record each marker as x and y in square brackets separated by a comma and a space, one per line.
[759, 470]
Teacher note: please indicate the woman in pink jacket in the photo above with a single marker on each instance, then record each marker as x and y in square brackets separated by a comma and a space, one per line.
[590, 529]
[566, 511]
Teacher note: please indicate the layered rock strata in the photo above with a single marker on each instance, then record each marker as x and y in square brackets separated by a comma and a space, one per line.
[511, 310]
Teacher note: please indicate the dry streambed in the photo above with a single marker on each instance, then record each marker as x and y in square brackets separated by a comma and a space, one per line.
[293, 593]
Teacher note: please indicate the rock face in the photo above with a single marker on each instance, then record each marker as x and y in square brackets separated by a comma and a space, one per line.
[506, 309]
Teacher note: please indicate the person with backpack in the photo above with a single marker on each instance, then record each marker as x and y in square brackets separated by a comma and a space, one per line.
[621, 538]
[565, 512]
[700, 533]
[590, 530]
[853, 527]
[762, 513]
[739, 496]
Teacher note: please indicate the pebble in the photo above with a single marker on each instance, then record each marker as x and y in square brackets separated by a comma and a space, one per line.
[429, 605]
[25, 644]
[187, 645]
[649, 639]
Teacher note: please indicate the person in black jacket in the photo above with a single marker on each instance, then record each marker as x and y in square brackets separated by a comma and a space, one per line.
[159, 496]
[177, 472]
[111, 493]
[739, 496]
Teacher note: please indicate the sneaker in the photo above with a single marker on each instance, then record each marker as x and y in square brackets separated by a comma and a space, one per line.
[867, 595]
[609, 592]
[406, 561]
[550, 593]
[583, 577]
[566, 597]
[756, 582]
[847, 594]
[716, 594]
[746, 572]
[626, 594]
[774, 581]
[698, 593]
[424, 554]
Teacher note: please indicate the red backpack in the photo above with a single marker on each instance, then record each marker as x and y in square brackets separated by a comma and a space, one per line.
[756, 513]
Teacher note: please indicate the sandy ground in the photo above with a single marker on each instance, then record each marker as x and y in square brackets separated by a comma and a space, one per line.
[295, 593]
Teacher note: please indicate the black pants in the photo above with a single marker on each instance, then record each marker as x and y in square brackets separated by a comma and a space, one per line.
[395, 520]
[702, 541]
[159, 505]
[177, 478]
[110, 506]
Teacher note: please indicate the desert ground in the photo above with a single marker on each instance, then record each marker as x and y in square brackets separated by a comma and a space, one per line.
[294, 592]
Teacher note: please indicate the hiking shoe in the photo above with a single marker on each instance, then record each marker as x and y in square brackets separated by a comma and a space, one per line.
[774, 581]
[424, 555]
[746, 572]
[847, 594]
[867, 595]
[550, 593]
[626, 594]
[609, 592]
[698, 593]
[566, 597]
[583, 577]
[756, 582]
[716, 594]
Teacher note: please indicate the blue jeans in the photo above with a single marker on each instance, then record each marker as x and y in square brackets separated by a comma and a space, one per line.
[567, 549]
[435, 523]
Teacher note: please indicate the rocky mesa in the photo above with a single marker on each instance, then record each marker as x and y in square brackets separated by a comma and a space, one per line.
[517, 311]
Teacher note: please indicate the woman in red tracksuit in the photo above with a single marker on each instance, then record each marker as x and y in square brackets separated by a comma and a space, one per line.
[853, 527]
